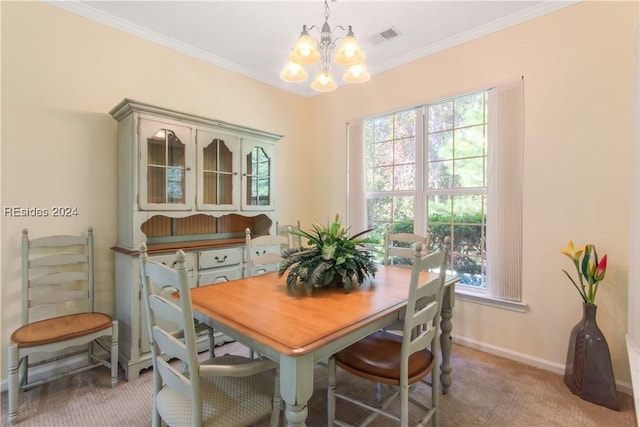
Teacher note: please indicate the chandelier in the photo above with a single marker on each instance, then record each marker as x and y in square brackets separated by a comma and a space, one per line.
[308, 51]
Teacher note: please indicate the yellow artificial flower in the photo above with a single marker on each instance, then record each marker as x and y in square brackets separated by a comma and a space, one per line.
[571, 252]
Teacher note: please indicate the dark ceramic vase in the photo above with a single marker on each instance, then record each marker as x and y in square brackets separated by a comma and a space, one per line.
[588, 372]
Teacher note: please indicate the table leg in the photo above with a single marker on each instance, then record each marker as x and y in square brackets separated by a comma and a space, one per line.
[296, 388]
[446, 326]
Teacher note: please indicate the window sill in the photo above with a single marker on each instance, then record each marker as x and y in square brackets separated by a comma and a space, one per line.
[476, 298]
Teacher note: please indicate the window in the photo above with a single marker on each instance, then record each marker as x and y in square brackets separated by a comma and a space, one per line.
[450, 168]
[390, 165]
[434, 185]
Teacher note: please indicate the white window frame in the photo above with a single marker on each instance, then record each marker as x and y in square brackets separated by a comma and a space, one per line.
[511, 298]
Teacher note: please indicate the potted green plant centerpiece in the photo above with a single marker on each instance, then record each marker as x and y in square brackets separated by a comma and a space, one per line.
[588, 371]
[330, 258]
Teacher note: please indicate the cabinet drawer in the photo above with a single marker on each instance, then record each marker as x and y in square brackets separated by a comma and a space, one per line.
[219, 258]
[170, 259]
[219, 275]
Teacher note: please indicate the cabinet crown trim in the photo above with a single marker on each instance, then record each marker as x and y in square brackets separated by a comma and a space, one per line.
[127, 106]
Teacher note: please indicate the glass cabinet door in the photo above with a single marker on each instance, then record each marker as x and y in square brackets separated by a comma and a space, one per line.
[218, 171]
[257, 173]
[165, 166]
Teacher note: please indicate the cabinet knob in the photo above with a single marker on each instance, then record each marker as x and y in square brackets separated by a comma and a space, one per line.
[188, 168]
[223, 259]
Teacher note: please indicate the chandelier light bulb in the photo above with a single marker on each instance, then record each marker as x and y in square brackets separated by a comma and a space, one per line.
[293, 73]
[305, 52]
[349, 52]
[356, 74]
[323, 82]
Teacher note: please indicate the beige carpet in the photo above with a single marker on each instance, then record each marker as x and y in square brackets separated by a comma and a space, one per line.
[486, 391]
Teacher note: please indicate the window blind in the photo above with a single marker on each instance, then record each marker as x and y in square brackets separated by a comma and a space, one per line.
[356, 203]
[504, 190]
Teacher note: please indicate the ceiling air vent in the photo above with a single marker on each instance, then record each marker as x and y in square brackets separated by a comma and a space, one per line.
[389, 34]
[385, 35]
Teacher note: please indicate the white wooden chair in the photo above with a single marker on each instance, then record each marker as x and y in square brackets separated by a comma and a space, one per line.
[286, 229]
[399, 250]
[399, 360]
[398, 247]
[263, 253]
[58, 317]
[222, 391]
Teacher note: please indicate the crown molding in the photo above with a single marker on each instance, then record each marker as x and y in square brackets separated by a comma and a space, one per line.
[94, 14]
[475, 33]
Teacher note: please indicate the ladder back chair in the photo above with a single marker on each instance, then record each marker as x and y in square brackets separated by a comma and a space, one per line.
[399, 250]
[263, 253]
[286, 229]
[58, 317]
[399, 360]
[398, 247]
[222, 391]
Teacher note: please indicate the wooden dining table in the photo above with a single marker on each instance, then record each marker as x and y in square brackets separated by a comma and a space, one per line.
[298, 328]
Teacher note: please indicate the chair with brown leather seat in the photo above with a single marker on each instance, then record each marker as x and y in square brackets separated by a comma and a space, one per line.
[398, 247]
[58, 317]
[397, 360]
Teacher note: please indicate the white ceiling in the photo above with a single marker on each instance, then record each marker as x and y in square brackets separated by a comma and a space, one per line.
[254, 38]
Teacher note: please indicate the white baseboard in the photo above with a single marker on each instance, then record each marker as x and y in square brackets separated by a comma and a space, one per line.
[634, 363]
[547, 365]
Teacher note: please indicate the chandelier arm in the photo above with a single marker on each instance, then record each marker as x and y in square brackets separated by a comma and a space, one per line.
[315, 27]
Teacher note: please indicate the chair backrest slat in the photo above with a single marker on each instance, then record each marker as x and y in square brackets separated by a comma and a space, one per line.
[171, 346]
[63, 264]
[60, 278]
[401, 246]
[58, 259]
[166, 310]
[57, 241]
[72, 297]
[421, 336]
[266, 258]
[174, 378]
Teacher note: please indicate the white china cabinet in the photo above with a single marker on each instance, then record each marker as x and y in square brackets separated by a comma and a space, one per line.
[184, 182]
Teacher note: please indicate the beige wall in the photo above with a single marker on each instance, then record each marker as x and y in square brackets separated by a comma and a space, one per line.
[577, 68]
[61, 74]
